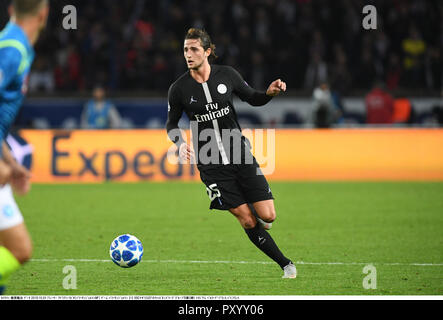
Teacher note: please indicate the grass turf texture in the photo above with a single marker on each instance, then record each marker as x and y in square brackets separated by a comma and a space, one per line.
[391, 225]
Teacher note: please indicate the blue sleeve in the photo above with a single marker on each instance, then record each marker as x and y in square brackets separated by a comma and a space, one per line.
[10, 59]
[9, 63]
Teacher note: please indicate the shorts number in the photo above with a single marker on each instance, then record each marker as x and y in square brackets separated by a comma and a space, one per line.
[213, 191]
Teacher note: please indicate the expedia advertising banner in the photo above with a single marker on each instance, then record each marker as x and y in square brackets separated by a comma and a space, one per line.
[96, 156]
[300, 155]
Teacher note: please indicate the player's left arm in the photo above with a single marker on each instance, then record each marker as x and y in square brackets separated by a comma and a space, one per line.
[252, 96]
[276, 87]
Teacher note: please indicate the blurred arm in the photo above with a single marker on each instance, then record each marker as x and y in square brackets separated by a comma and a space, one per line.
[114, 118]
[13, 172]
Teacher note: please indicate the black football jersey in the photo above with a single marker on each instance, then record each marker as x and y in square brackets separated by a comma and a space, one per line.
[216, 133]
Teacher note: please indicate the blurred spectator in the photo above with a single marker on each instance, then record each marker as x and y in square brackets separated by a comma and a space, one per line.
[434, 67]
[413, 49]
[437, 115]
[100, 113]
[403, 112]
[394, 72]
[41, 78]
[317, 45]
[125, 45]
[160, 73]
[258, 74]
[341, 79]
[316, 72]
[367, 72]
[379, 106]
[261, 29]
[325, 112]
[381, 46]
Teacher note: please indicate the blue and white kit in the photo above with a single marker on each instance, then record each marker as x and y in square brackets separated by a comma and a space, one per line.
[16, 57]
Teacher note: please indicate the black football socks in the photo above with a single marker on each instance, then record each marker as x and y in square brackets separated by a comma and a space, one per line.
[263, 240]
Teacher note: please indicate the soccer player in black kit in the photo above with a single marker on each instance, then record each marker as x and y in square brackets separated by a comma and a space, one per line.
[227, 167]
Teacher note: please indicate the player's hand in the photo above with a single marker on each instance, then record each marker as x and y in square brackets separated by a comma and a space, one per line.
[276, 87]
[185, 152]
[20, 180]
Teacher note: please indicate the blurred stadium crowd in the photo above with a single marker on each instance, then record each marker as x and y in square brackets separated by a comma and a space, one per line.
[137, 45]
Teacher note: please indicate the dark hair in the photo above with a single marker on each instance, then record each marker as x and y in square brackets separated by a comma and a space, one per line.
[27, 7]
[205, 40]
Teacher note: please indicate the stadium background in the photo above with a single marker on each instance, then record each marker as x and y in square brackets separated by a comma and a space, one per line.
[133, 49]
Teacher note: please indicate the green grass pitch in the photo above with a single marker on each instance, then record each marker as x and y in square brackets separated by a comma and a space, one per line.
[330, 230]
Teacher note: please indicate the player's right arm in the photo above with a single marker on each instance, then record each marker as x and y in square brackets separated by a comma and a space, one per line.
[19, 176]
[10, 59]
[5, 172]
[175, 111]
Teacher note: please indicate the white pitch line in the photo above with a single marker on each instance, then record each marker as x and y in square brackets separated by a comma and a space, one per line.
[247, 262]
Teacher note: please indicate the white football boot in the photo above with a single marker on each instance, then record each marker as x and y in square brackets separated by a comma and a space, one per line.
[290, 272]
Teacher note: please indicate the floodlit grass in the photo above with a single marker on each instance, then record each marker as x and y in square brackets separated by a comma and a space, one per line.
[331, 231]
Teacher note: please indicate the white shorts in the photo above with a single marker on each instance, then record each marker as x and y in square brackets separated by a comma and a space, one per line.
[10, 215]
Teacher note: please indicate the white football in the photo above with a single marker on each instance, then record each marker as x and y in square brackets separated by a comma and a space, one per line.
[126, 251]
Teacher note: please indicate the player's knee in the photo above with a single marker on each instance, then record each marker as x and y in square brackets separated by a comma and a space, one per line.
[268, 215]
[25, 255]
[248, 222]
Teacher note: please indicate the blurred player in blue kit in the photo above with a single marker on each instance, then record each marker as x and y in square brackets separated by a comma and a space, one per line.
[28, 19]
[99, 112]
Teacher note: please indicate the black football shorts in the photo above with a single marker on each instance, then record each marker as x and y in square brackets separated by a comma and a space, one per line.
[229, 186]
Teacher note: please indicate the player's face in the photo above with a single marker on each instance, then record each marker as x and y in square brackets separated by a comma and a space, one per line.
[194, 54]
[99, 93]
